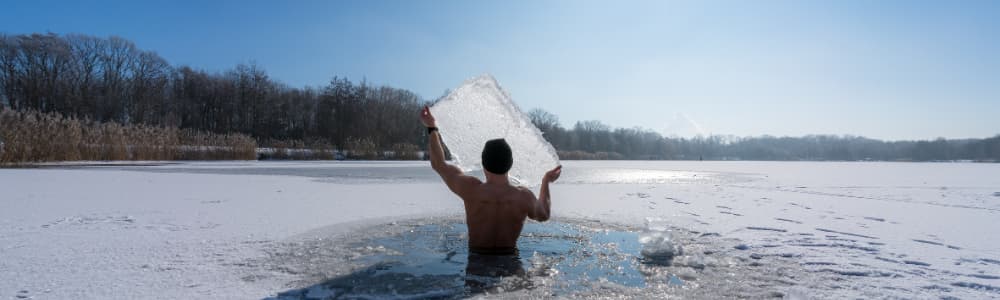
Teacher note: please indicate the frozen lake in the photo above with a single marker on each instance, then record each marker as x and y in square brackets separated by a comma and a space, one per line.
[295, 230]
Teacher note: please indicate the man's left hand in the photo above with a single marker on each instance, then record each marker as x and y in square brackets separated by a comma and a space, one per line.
[552, 175]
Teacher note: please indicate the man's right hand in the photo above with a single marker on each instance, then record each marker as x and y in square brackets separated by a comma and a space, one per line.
[552, 175]
[427, 118]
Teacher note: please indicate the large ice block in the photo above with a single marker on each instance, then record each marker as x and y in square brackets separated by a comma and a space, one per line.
[479, 111]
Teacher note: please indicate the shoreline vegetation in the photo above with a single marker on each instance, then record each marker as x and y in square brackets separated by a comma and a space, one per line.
[78, 97]
[29, 136]
[32, 138]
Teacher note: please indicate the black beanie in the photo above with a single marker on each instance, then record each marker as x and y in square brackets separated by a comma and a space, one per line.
[497, 157]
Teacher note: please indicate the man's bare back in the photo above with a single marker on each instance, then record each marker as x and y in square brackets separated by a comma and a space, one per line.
[495, 210]
[495, 214]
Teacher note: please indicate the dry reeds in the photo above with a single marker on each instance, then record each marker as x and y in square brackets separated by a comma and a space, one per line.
[405, 151]
[196, 145]
[581, 155]
[295, 150]
[29, 136]
[362, 148]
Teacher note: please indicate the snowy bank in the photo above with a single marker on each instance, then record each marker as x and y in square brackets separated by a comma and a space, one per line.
[209, 229]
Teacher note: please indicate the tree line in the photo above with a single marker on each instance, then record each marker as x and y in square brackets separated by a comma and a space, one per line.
[112, 80]
[595, 140]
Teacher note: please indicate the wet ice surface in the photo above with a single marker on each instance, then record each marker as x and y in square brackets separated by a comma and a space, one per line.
[353, 172]
[736, 229]
[480, 110]
[569, 258]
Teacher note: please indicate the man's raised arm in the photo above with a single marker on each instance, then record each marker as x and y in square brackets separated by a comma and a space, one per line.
[542, 207]
[452, 175]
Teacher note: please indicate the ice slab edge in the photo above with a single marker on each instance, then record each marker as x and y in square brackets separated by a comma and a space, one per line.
[479, 111]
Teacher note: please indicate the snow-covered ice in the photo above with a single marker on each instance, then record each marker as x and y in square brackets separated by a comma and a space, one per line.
[238, 230]
[479, 111]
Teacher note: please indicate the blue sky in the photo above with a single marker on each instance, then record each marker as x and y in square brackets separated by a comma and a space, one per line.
[881, 69]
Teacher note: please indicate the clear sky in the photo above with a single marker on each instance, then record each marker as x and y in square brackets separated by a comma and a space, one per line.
[881, 69]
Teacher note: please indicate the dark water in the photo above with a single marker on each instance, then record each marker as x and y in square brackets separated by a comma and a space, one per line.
[432, 261]
[569, 258]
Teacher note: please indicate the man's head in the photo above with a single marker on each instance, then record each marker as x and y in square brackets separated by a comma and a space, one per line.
[497, 157]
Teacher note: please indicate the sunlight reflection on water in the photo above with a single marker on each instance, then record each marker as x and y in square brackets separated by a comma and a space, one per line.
[417, 172]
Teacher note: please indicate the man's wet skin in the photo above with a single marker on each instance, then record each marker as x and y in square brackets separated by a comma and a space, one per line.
[495, 210]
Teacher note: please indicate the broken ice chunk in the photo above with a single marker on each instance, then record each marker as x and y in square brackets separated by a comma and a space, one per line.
[658, 247]
[479, 111]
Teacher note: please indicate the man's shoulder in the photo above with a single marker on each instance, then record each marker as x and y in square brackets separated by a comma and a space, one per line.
[524, 191]
[513, 190]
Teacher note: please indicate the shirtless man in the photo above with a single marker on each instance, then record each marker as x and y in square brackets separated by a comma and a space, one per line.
[494, 210]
